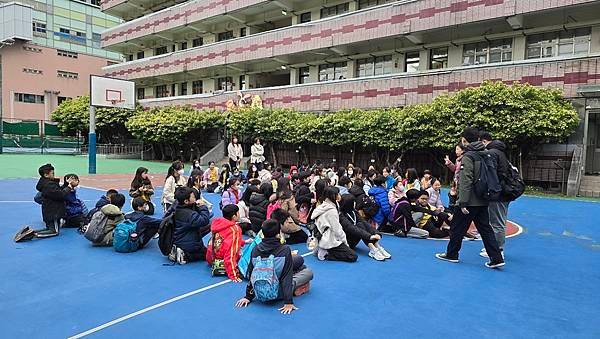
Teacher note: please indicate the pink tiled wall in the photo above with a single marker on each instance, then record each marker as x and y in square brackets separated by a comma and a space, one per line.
[392, 91]
[105, 4]
[357, 27]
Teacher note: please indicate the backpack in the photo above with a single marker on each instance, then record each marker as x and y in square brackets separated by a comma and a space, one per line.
[165, 234]
[264, 279]
[397, 219]
[513, 185]
[271, 207]
[95, 228]
[247, 255]
[122, 241]
[369, 205]
[487, 186]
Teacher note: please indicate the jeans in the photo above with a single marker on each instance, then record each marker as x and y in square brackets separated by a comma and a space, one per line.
[460, 225]
[498, 211]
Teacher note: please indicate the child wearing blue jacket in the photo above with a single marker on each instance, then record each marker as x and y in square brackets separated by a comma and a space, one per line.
[380, 194]
[75, 210]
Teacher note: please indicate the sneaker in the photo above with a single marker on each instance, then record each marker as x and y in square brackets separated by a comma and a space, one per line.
[321, 253]
[490, 264]
[180, 256]
[484, 254]
[375, 254]
[173, 254]
[442, 256]
[384, 252]
[400, 234]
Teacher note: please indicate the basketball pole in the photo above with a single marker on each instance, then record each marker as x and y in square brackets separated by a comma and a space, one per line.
[92, 142]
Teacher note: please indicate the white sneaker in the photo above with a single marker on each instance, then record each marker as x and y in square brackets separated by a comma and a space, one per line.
[321, 253]
[173, 254]
[181, 256]
[383, 252]
[375, 254]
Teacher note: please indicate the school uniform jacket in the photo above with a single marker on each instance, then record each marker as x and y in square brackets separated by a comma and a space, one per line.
[227, 239]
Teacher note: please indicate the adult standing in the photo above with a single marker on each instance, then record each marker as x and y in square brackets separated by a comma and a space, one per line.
[498, 210]
[257, 156]
[235, 152]
[472, 207]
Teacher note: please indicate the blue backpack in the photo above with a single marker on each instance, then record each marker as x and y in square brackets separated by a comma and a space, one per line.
[264, 279]
[122, 241]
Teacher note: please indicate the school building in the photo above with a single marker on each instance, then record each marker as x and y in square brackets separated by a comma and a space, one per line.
[48, 49]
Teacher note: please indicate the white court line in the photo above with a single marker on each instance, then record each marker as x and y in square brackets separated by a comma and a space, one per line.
[153, 307]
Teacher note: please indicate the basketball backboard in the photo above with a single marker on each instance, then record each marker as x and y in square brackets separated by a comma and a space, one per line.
[110, 92]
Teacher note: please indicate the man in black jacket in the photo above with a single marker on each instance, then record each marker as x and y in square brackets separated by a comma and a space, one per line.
[192, 222]
[291, 273]
[472, 207]
[53, 205]
[498, 210]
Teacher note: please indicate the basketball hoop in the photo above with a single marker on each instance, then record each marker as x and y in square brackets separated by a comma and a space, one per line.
[117, 103]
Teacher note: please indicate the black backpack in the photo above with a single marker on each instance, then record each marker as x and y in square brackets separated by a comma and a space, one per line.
[165, 234]
[397, 219]
[487, 186]
[368, 204]
[513, 185]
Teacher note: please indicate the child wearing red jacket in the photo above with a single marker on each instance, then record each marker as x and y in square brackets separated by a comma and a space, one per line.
[227, 241]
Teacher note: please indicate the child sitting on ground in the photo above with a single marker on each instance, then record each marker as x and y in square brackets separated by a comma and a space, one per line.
[429, 218]
[191, 219]
[401, 222]
[146, 226]
[226, 242]
[103, 201]
[435, 195]
[115, 216]
[75, 210]
[292, 275]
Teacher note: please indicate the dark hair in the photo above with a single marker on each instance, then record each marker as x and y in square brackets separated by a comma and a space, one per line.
[484, 135]
[45, 169]
[266, 189]
[387, 169]
[330, 193]
[283, 189]
[175, 166]
[347, 203]
[304, 175]
[270, 228]
[412, 175]
[248, 192]
[398, 182]
[344, 181]
[434, 179]
[138, 181]
[280, 215]
[182, 194]
[118, 200]
[320, 186]
[67, 177]
[195, 176]
[341, 172]
[471, 134]
[256, 139]
[111, 191]
[211, 163]
[379, 180]
[232, 182]
[413, 194]
[461, 146]
[357, 171]
[426, 172]
[371, 173]
[229, 211]
[137, 203]
[234, 137]
[423, 192]
[254, 181]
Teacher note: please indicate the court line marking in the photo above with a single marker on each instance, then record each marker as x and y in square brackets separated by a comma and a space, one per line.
[155, 306]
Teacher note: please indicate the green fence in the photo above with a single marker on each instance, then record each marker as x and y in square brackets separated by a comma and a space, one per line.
[37, 136]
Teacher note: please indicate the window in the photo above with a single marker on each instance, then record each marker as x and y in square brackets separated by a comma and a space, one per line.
[303, 75]
[29, 98]
[197, 42]
[487, 52]
[183, 46]
[65, 30]
[161, 91]
[572, 42]
[141, 93]
[225, 36]
[161, 50]
[95, 2]
[305, 17]
[96, 40]
[140, 55]
[39, 28]
[197, 87]
[67, 74]
[374, 66]
[32, 49]
[129, 57]
[80, 34]
[411, 63]
[242, 82]
[173, 48]
[183, 88]
[335, 71]
[67, 54]
[370, 3]
[32, 71]
[243, 31]
[335, 10]
[225, 84]
[438, 58]
[61, 99]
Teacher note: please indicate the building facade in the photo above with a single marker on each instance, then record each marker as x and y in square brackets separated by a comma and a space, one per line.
[50, 55]
[317, 55]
